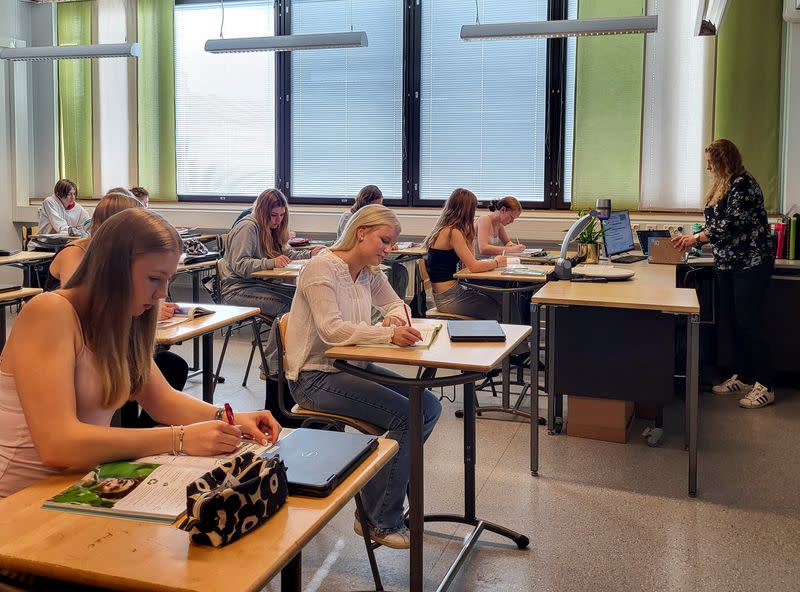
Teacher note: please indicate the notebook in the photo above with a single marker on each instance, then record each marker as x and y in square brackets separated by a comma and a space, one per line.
[8, 252]
[663, 251]
[317, 461]
[429, 333]
[475, 331]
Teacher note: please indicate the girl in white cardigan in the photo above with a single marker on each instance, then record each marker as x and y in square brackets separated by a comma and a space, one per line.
[60, 213]
[332, 306]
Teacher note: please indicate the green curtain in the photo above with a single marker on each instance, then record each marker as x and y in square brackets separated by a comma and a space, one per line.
[74, 27]
[156, 99]
[608, 110]
[748, 89]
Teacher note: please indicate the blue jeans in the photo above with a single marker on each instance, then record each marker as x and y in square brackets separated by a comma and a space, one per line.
[272, 302]
[383, 406]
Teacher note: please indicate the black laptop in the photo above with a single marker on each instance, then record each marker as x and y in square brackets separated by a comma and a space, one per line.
[317, 461]
[475, 331]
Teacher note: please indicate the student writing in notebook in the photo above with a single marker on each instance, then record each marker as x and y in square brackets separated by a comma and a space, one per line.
[491, 236]
[76, 355]
[260, 241]
[450, 243]
[332, 306]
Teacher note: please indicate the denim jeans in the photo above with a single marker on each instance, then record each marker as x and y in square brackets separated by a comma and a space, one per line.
[272, 302]
[464, 300]
[383, 406]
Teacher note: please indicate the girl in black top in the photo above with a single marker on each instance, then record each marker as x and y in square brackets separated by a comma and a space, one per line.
[739, 233]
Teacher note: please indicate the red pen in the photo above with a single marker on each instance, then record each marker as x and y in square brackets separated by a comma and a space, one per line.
[228, 413]
[408, 318]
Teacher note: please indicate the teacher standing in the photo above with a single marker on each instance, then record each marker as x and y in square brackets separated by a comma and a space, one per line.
[739, 233]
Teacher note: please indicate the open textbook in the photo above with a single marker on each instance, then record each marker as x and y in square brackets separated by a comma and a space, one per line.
[152, 488]
[183, 314]
[428, 332]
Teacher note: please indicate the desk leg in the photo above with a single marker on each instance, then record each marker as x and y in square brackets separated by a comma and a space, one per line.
[208, 367]
[692, 367]
[2, 326]
[505, 316]
[196, 342]
[292, 574]
[416, 489]
[534, 389]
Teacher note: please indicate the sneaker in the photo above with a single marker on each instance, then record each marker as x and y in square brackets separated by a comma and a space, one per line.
[395, 539]
[731, 386]
[759, 396]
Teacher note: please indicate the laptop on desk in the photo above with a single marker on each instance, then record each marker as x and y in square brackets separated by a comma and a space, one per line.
[317, 461]
[618, 237]
[475, 331]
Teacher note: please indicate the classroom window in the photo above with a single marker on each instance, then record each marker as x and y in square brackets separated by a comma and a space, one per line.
[224, 103]
[482, 104]
[347, 104]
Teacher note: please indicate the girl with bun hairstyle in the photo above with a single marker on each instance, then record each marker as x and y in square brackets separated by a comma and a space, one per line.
[491, 237]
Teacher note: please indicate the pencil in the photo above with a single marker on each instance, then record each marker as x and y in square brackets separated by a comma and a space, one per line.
[408, 317]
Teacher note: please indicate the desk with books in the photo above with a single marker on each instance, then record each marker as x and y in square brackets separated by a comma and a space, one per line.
[121, 554]
[204, 327]
[10, 299]
[631, 352]
[471, 360]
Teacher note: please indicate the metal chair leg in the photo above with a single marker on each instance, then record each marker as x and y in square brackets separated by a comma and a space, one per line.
[368, 543]
[222, 356]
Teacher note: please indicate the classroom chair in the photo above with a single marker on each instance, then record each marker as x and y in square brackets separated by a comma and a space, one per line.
[328, 421]
[432, 313]
[27, 233]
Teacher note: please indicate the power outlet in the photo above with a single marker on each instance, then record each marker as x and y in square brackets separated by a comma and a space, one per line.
[651, 227]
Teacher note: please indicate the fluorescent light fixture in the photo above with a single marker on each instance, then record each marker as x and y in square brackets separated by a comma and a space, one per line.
[713, 11]
[288, 42]
[567, 28]
[71, 52]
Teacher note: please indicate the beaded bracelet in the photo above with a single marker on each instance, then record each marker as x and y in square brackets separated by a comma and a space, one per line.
[172, 439]
[180, 440]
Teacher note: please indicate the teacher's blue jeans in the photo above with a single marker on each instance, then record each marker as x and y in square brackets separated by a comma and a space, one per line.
[383, 406]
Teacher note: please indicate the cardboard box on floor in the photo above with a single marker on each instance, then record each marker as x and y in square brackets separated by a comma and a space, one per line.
[599, 419]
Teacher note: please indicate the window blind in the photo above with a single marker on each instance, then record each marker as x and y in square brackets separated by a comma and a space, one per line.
[347, 104]
[224, 103]
[482, 103]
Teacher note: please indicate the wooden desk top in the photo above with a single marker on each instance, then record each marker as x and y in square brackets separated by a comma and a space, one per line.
[473, 357]
[223, 316]
[497, 275]
[652, 288]
[183, 268]
[21, 293]
[413, 251]
[26, 256]
[289, 275]
[133, 555]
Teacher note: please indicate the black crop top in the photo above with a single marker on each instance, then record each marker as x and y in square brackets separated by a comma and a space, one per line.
[442, 264]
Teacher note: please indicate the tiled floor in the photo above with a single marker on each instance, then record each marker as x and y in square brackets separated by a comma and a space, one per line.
[600, 516]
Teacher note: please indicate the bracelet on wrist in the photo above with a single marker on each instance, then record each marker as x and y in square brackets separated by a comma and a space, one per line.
[172, 440]
[180, 440]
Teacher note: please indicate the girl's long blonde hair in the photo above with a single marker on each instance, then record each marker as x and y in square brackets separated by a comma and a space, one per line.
[726, 165]
[368, 218]
[122, 345]
[273, 242]
[458, 213]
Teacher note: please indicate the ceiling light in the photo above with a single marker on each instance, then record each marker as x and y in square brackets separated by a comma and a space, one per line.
[71, 52]
[563, 28]
[288, 42]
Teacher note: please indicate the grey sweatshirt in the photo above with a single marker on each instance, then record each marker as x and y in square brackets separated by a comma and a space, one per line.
[244, 255]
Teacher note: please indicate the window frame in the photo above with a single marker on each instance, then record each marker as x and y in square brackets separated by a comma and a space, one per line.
[555, 109]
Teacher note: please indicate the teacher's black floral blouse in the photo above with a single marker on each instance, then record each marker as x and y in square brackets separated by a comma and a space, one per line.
[737, 227]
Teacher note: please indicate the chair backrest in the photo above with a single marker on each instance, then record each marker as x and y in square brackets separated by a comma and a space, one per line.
[282, 324]
[27, 233]
[424, 278]
[212, 285]
[222, 243]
